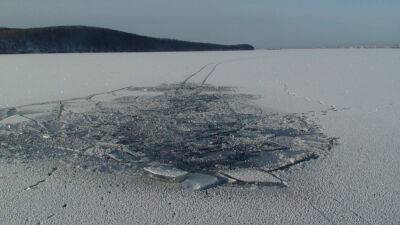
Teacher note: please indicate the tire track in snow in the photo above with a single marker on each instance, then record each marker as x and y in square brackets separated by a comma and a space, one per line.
[216, 64]
[210, 73]
[195, 73]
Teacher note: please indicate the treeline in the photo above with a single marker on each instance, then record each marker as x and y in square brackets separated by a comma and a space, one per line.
[79, 39]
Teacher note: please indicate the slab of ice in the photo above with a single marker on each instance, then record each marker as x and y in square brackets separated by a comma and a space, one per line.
[250, 175]
[119, 94]
[104, 97]
[4, 113]
[116, 155]
[40, 111]
[166, 172]
[14, 120]
[198, 181]
[79, 106]
[132, 92]
[270, 161]
[227, 179]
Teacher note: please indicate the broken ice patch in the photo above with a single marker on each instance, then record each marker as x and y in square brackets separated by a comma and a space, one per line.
[197, 134]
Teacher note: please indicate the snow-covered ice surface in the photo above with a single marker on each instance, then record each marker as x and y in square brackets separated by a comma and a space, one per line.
[352, 94]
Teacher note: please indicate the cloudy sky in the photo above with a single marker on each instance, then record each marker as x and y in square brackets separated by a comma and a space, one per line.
[263, 23]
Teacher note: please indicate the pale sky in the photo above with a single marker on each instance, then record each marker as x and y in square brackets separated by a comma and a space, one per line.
[263, 23]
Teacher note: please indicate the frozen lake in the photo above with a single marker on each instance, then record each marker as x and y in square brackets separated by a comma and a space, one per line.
[352, 93]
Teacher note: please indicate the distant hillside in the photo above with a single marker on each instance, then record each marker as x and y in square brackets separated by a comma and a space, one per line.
[66, 39]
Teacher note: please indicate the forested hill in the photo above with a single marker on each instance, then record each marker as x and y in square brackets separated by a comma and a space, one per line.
[69, 39]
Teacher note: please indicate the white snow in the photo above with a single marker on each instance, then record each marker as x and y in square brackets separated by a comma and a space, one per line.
[357, 183]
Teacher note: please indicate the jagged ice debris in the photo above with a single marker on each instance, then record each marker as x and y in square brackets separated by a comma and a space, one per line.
[186, 127]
